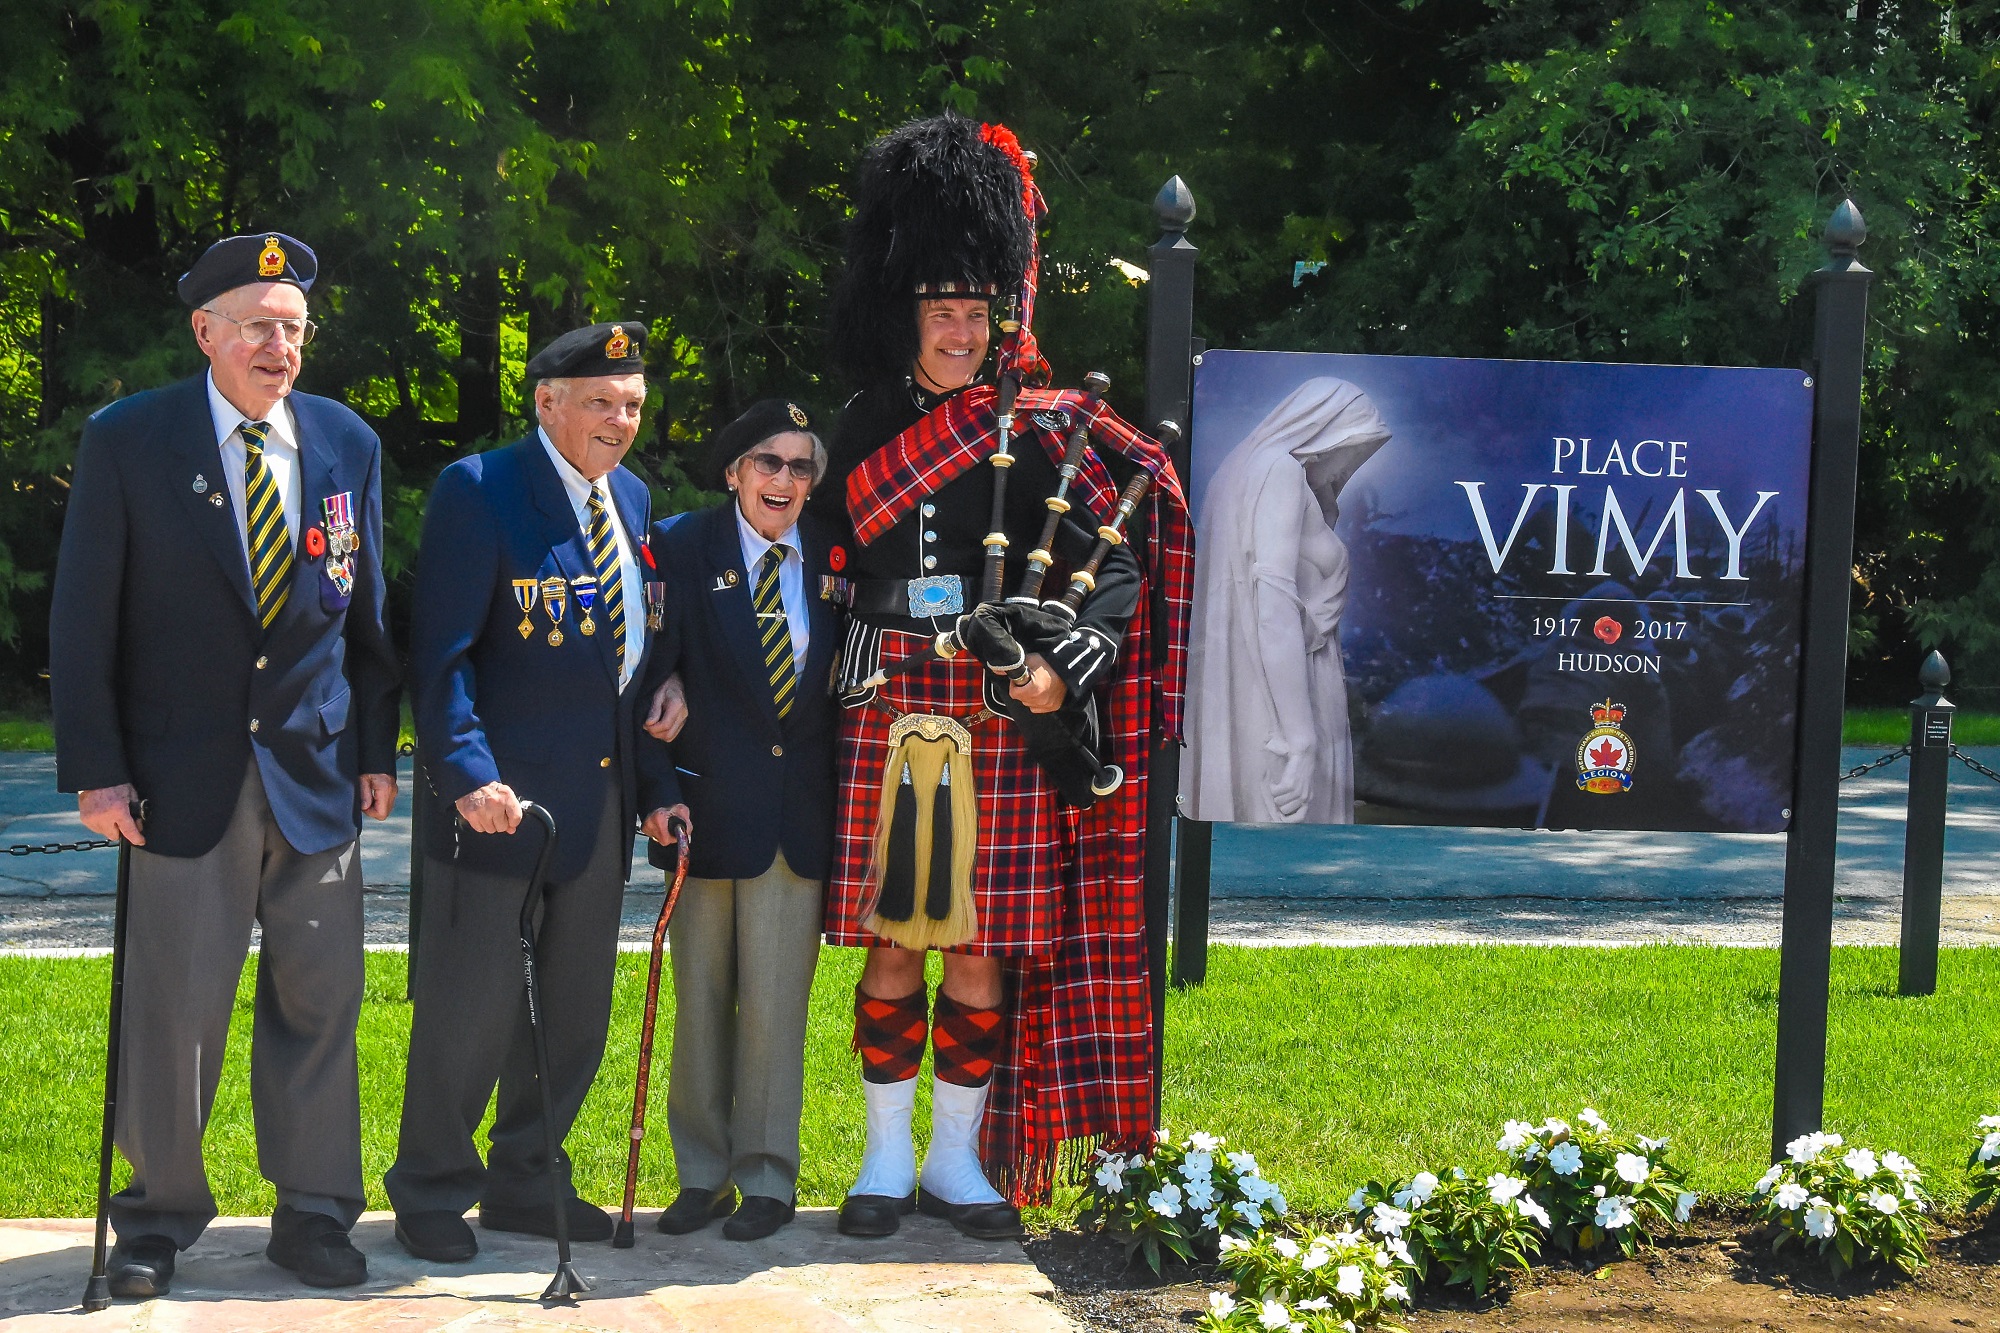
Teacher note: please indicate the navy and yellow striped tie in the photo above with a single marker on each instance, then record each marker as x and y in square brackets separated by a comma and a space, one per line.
[775, 631]
[610, 582]
[270, 537]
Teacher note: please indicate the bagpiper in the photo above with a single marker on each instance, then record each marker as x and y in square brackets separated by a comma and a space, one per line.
[994, 745]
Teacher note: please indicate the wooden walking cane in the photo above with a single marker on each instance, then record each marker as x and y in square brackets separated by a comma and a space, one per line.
[623, 1239]
[97, 1291]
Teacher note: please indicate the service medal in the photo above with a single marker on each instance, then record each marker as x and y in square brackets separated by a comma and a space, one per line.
[555, 601]
[585, 592]
[656, 605]
[526, 593]
[341, 572]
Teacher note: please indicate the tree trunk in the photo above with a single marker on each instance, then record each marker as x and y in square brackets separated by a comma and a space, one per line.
[479, 356]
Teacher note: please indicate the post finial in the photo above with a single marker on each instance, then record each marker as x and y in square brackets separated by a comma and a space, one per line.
[1845, 231]
[1935, 674]
[1174, 205]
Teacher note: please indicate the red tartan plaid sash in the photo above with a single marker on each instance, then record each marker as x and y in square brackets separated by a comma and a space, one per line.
[964, 431]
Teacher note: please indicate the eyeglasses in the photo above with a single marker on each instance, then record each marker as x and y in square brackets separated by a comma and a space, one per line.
[257, 332]
[771, 465]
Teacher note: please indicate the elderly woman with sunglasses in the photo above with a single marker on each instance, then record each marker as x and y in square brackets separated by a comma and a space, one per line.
[750, 622]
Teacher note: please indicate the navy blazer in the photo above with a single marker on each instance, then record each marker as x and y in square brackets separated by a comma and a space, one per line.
[493, 704]
[754, 784]
[158, 666]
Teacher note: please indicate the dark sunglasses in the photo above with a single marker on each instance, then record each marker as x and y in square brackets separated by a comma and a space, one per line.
[771, 465]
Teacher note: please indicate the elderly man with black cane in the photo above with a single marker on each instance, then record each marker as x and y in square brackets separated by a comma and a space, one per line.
[752, 614]
[218, 651]
[528, 632]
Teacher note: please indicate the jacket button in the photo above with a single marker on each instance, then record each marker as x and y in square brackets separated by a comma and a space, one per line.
[929, 536]
[604, 763]
[778, 751]
[263, 662]
[930, 562]
[930, 510]
[253, 726]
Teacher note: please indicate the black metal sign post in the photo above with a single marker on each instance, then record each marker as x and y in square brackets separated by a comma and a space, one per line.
[1923, 829]
[1840, 299]
[1170, 329]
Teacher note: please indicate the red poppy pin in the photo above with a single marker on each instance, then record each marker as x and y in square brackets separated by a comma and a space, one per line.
[315, 543]
[647, 552]
[837, 557]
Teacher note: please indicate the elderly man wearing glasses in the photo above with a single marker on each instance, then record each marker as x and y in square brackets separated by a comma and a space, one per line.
[751, 621]
[225, 701]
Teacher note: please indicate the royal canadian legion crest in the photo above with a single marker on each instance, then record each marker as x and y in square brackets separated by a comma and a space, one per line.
[1605, 757]
[271, 261]
[619, 345]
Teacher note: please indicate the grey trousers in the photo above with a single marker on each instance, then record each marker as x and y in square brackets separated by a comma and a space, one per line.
[743, 955]
[469, 1025]
[187, 933]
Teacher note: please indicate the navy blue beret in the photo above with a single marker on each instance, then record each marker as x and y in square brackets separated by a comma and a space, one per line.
[601, 349]
[238, 261]
[772, 416]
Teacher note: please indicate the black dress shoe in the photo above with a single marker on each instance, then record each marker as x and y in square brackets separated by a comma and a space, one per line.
[586, 1220]
[758, 1217]
[981, 1221]
[693, 1209]
[142, 1267]
[437, 1235]
[315, 1247]
[874, 1214]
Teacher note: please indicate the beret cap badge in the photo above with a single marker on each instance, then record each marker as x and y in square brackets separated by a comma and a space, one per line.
[798, 415]
[271, 261]
[617, 347]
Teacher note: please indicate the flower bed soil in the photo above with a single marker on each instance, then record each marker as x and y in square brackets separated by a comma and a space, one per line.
[1719, 1274]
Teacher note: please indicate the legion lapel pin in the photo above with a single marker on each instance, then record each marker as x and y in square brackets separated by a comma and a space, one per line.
[200, 483]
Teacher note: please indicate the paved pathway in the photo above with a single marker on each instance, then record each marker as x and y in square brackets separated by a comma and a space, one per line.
[1283, 884]
[808, 1278]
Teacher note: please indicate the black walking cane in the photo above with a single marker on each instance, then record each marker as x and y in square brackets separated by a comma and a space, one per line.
[97, 1292]
[623, 1239]
[567, 1281]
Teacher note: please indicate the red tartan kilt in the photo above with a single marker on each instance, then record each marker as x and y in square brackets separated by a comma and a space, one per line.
[1025, 837]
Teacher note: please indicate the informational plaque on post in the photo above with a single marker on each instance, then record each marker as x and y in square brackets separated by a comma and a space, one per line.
[1510, 593]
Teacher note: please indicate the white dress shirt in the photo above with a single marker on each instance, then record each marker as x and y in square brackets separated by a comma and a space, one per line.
[281, 456]
[633, 589]
[791, 577]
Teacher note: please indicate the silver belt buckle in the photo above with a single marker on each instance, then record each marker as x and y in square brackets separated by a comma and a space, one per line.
[936, 595]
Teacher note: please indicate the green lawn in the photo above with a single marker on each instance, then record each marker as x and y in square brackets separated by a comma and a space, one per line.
[1329, 1064]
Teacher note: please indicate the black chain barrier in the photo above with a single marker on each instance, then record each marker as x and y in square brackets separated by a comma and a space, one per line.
[1973, 764]
[1883, 762]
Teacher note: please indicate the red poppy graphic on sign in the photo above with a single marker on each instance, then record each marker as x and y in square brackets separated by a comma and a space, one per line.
[1607, 629]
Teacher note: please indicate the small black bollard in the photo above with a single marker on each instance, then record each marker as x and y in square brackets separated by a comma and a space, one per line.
[1923, 830]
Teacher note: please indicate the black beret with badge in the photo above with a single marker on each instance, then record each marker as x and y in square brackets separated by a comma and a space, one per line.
[238, 261]
[772, 416]
[601, 349]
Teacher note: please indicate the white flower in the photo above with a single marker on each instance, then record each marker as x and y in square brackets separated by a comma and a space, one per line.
[1347, 1281]
[1315, 1303]
[1791, 1194]
[1273, 1314]
[1160, 1134]
[1200, 1193]
[1349, 1236]
[1989, 1147]
[1357, 1200]
[1458, 1173]
[1276, 1203]
[1598, 1190]
[1503, 1188]
[1242, 1163]
[1399, 1250]
[1566, 1159]
[1532, 1151]
[1614, 1211]
[1989, 1122]
[1166, 1200]
[1422, 1186]
[1211, 1220]
[1884, 1203]
[1228, 1243]
[1632, 1168]
[1819, 1223]
[1286, 1247]
[1111, 1176]
[1250, 1213]
[1861, 1162]
[1651, 1145]
[1220, 1305]
[1256, 1188]
[1593, 1119]
[1529, 1208]
[1768, 1179]
[1902, 1166]
[1396, 1291]
[1201, 1142]
[1555, 1126]
[1316, 1257]
[1684, 1205]
[1515, 1135]
[1390, 1221]
[1196, 1164]
[1808, 1146]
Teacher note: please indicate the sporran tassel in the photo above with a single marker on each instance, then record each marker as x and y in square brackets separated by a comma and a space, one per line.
[926, 837]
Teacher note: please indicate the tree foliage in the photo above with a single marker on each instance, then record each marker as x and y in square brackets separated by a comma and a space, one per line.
[1567, 178]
